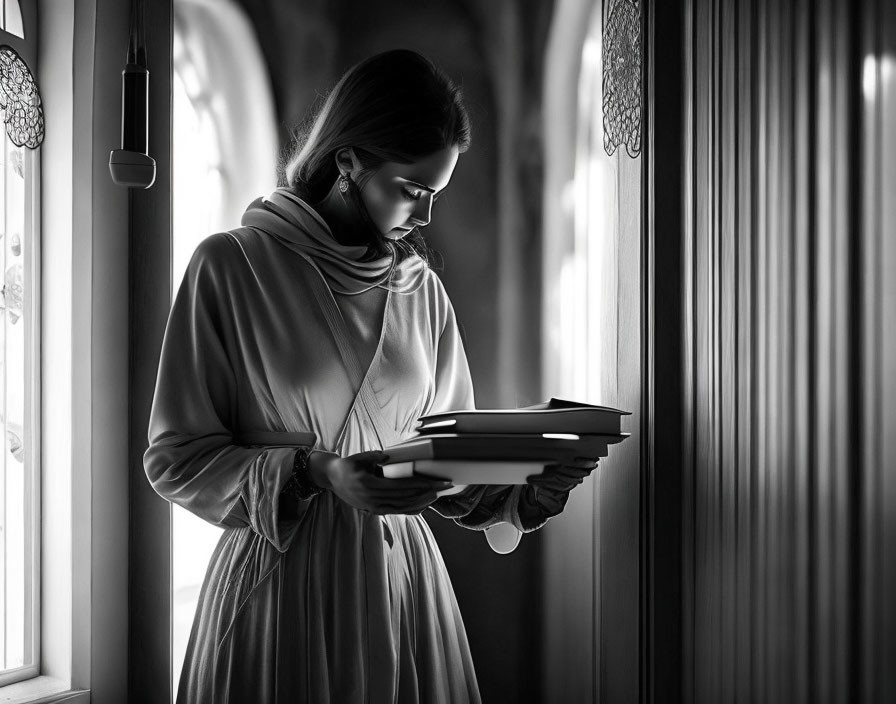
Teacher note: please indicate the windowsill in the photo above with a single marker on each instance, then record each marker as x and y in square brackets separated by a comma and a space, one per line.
[42, 690]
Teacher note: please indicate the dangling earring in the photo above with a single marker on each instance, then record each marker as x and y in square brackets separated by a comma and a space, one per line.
[343, 183]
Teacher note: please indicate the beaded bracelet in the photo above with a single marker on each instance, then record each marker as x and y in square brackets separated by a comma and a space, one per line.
[300, 486]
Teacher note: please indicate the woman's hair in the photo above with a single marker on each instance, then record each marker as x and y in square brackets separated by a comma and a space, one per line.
[396, 106]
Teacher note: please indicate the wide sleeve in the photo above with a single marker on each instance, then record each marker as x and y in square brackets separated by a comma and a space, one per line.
[192, 459]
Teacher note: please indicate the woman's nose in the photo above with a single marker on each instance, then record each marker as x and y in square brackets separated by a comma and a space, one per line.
[423, 212]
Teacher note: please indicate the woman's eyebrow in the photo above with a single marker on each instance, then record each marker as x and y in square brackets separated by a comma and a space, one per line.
[420, 185]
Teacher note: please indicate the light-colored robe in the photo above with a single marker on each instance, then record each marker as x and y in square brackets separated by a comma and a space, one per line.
[340, 605]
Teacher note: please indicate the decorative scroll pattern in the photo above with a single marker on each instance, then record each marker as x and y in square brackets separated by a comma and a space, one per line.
[20, 101]
[622, 77]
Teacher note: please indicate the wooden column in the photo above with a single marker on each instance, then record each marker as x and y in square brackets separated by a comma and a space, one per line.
[149, 654]
[783, 361]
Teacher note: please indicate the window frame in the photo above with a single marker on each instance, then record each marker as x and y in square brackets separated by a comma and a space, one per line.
[31, 437]
[19, 16]
[84, 328]
[26, 47]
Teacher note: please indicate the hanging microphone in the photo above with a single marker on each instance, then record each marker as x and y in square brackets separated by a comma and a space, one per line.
[131, 165]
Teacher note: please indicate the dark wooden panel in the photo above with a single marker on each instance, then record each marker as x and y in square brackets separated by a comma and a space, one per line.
[618, 516]
[149, 653]
[746, 38]
[803, 222]
[787, 156]
[830, 355]
[688, 334]
[726, 364]
[662, 355]
[707, 644]
[881, 612]
[878, 341]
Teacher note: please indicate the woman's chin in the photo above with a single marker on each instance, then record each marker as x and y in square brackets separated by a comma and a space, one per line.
[397, 234]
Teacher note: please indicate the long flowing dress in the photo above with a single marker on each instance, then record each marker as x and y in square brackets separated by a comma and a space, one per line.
[265, 350]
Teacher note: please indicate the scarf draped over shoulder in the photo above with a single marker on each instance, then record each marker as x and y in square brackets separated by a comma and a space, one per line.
[297, 225]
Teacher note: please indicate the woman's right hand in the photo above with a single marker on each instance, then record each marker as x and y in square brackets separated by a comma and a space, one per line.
[356, 480]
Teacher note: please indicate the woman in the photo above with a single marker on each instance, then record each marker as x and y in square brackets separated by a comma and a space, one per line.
[299, 345]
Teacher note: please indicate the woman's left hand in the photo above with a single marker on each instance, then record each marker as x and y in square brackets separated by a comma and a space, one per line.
[563, 476]
[546, 493]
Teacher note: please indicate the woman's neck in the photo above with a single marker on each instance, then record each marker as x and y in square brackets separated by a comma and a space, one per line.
[342, 218]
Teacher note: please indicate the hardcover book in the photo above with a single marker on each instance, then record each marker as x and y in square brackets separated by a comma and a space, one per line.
[554, 416]
[478, 458]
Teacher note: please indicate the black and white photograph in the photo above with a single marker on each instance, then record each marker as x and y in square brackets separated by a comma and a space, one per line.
[448, 351]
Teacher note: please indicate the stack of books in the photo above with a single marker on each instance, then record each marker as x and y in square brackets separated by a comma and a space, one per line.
[505, 446]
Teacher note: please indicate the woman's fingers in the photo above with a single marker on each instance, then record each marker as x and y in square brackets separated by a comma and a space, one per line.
[359, 482]
[582, 463]
[408, 483]
[577, 467]
[407, 495]
[407, 505]
[371, 458]
[558, 476]
[399, 492]
[402, 501]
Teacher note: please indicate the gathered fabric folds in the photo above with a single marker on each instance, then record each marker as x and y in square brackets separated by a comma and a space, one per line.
[267, 338]
[359, 609]
[345, 268]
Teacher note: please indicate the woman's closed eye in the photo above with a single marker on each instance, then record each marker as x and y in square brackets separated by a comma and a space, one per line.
[412, 194]
[418, 193]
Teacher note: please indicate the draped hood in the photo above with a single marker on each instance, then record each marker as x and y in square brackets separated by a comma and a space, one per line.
[297, 225]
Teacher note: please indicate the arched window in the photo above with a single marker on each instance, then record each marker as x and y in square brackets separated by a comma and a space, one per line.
[580, 268]
[592, 321]
[225, 136]
[224, 156]
[11, 19]
[19, 352]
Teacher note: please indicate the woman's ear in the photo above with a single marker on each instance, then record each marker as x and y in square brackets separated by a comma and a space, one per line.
[347, 162]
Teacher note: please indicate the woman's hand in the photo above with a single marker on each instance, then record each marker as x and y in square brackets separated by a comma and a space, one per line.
[563, 477]
[547, 492]
[357, 480]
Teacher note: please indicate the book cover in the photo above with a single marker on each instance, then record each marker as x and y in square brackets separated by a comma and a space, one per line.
[554, 416]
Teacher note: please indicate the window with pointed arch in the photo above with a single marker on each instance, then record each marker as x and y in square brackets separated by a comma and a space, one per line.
[19, 350]
[580, 266]
[591, 307]
[224, 156]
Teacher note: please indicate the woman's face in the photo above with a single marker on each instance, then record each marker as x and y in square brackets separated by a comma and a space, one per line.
[399, 197]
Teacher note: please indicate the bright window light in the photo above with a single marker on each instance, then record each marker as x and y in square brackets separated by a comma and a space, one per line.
[224, 156]
[11, 20]
[19, 588]
[196, 201]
